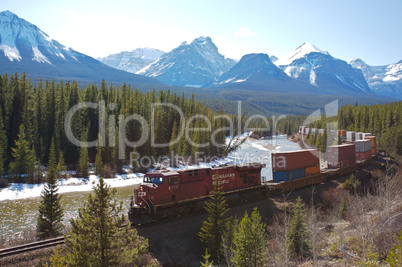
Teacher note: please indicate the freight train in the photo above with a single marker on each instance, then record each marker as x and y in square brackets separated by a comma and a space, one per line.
[167, 193]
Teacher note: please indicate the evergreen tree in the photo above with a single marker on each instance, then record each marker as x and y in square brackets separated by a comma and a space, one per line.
[250, 241]
[351, 184]
[213, 228]
[298, 237]
[172, 145]
[394, 258]
[98, 237]
[3, 145]
[99, 168]
[50, 212]
[61, 165]
[38, 172]
[24, 156]
[227, 240]
[206, 262]
[83, 163]
[343, 208]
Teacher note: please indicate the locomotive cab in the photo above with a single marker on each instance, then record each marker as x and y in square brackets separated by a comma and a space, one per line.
[156, 188]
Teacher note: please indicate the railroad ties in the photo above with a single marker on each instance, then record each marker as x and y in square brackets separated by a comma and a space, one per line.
[31, 246]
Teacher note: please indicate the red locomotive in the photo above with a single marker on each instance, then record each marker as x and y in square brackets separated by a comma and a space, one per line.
[171, 193]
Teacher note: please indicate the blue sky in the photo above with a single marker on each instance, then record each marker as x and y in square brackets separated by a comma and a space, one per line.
[370, 30]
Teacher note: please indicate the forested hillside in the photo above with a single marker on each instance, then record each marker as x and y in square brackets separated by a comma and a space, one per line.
[32, 115]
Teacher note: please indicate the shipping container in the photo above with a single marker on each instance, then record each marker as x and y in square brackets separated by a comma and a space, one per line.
[372, 139]
[311, 170]
[280, 176]
[296, 174]
[293, 160]
[350, 136]
[321, 132]
[366, 134]
[302, 129]
[359, 136]
[362, 145]
[343, 133]
[362, 156]
[341, 155]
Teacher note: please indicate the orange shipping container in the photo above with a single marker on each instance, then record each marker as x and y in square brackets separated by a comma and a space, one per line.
[312, 170]
[293, 160]
[372, 140]
[373, 151]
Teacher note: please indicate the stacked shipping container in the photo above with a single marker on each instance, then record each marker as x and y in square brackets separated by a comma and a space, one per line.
[362, 149]
[341, 156]
[359, 136]
[342, 134]
[295, 164]
[350, 136]
[321, 132]
[373, 143]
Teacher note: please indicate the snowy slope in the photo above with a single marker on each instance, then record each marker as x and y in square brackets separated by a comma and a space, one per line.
[191, 64]
[21, 38]
[26, 48]
[384, 80]
[132, 61]
[299, 52]
[252, 67]
[317, 67]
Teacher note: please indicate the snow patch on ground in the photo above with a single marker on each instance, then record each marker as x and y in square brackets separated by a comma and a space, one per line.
[20, 190]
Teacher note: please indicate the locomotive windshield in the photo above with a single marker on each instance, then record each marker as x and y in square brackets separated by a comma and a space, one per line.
[157, 180]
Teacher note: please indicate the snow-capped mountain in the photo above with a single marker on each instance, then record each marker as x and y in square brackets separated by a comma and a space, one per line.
[384, 80]
[26, 48]
[192, 64]
[132, 61]
[252, 67]
[273, 58]
[313, 65]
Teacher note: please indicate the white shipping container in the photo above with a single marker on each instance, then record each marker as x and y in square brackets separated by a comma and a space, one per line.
[359, 136]
[367, 145]
[350, 136]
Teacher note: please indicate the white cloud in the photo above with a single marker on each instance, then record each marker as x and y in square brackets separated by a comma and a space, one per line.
[244, 32]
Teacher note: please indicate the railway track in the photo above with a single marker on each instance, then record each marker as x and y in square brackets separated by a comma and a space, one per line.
[31, 246]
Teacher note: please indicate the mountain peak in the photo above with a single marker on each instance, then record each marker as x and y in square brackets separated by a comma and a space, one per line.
[8, 13]
[300, 52]
[202, 39]
[191, 64]
[132, 61]
[252, 68]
